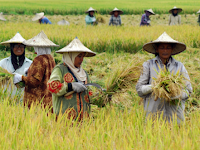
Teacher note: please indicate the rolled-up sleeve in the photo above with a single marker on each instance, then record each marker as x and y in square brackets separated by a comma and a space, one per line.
[144, 79]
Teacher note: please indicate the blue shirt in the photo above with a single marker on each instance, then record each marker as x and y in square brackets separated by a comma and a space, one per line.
[45, 20]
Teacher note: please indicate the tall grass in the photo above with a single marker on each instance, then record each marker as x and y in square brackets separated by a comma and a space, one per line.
[103, 38]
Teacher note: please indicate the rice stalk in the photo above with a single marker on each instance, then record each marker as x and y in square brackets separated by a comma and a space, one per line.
[168, 85]
[5, 77]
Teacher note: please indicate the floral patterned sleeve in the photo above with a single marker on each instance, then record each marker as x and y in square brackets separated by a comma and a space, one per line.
[54, 84]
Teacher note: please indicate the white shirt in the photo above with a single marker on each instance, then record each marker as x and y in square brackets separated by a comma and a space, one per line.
[7, 64]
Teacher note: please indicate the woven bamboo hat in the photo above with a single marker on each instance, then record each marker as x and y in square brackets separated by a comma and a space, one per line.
[63, 22]
[164, 38]
[91, 9]
[116, 9]
[76, 46]
[198, 12]
[16, 39]
[150, 10]
[40, 40]
[175, 8]
[38, 16]
[2, 17]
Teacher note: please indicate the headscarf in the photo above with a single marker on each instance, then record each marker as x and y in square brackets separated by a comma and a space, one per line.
[17, 61]
[42, 50]
[69, 59]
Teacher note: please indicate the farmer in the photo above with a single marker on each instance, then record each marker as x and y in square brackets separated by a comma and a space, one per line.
[17, 62]
[90, 18]
[41, 18]
[145, 20]
[163, 48]
[67, 82]
[198, 17]
[115, 18]
[39, 72]
[174, 18]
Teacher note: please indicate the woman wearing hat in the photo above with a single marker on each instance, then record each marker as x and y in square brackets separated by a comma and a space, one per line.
[41, 18]
[145, 20]
[174, 18]
[17, 62]
[115, 18]
[39, 72]
[90, 18]
[163, 48]
[198, 17]
[67, 81]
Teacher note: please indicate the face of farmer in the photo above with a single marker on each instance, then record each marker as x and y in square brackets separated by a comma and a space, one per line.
[79, 59]
[148, 13]
[91, 13]
[18, 49]
[175, 11]
[116, 13]
[164, 50]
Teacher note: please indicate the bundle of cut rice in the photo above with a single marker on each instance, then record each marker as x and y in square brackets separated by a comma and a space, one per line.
[168, 85]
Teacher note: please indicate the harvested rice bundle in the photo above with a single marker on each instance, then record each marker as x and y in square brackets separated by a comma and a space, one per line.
[121, 77]
[6, 78]
[168, 85]
[100, 19]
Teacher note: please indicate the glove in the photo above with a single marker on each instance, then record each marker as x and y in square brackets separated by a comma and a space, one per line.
[78, 87]
[149, 21]
[146, 89]
[26, 71]
[17, 78]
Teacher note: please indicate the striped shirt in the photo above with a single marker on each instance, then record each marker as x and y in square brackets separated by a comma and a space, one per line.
[115, 20]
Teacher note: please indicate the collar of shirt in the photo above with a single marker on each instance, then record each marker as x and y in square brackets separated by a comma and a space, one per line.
[172, 61]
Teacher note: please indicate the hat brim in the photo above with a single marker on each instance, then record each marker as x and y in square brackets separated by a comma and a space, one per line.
[8, 43]
[178, 10]
[37, 17]
[178, 48]
[88, 53]
[152, 13]
[90, 11]
[112, 12]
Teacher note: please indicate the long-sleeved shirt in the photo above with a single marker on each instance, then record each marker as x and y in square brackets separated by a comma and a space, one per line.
[116, 21]
[90, 20]
[36, 82]
[174, 20]
[160, 106]
[145, 20]
[6, 63]
[45, 20]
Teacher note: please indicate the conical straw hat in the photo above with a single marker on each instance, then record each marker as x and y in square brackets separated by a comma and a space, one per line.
[175, 8]
[198, 12]
[40, 40]
[16, 39]
[115, 9]
[76, 46]
[38, 16]
[90, 9]
[2, 17]
[150, 10]
[165, 38]
[63, 22]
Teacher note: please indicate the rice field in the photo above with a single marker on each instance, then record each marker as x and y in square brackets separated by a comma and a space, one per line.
[66, 7]
[121, 125]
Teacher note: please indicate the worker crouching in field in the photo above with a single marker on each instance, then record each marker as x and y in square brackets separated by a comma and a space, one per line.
[115, 18]
[70, 96]
[17, 62]
[155, 106]
[90, 19]
[145, 20]
[198, 17]
[41, 18]
[174, 18]
[39, 72]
